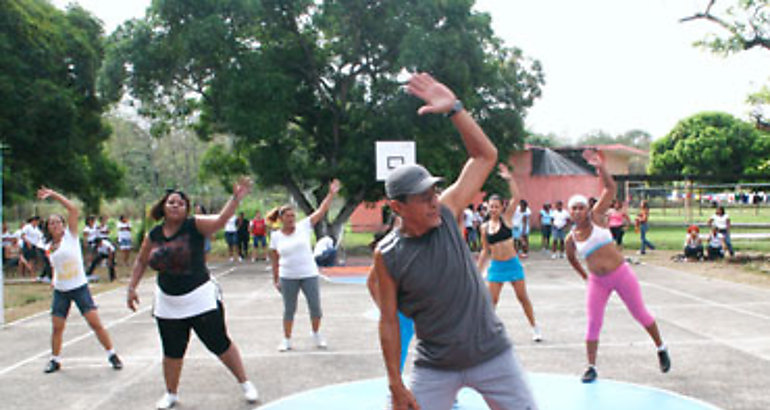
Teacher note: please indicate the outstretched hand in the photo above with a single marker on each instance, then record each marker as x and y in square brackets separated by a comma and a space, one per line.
[438, 97]
[593, 157]
[44, 192]
[504, 172]
[242, 187]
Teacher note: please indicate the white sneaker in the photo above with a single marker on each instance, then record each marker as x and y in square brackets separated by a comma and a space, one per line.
[554, 255]
[285, 345]
[250, 392]
[240, 259]
[231, 259]
[536, 335]
[319, 340]
[168, 401]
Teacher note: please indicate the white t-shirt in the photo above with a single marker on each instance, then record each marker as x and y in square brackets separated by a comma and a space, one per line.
[715, 241]
[33, 235]
[295, 254]
[231, 226]
[91, 233]
[720, 221]
[105, 247]
[559, 218]
[468, 218]
[518, 217]
[103, 231]
[124, 230]
[323, 245]
[67, 263]
[10, 237]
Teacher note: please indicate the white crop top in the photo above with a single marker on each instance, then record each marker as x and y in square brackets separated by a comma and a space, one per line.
[598, 238]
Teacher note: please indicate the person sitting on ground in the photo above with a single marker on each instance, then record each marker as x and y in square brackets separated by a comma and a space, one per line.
[716, 244]
[324, 251]
[12, 255]
[693, 245]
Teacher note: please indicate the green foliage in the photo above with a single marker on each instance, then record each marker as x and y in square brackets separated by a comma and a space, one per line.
[50, 114]
[222, 165]
[747, 23]
[711, 144]
[307, 87]
[634, 138]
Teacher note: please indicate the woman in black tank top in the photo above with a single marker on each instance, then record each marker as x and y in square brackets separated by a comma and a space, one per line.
[497, 245]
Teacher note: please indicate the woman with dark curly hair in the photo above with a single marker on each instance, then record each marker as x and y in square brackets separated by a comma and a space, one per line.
[186, 297]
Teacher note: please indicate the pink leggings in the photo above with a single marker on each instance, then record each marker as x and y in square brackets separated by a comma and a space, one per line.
[623, 281]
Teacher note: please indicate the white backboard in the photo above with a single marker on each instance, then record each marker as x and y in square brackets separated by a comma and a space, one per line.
[392, 154]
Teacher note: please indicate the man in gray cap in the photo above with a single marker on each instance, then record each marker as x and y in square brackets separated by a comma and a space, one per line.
[425, 270]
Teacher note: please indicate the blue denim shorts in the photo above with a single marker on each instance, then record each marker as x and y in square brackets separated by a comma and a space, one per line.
[60, 305]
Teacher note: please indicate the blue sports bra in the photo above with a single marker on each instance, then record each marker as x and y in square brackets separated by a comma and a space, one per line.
[598, 238]
[502, 234]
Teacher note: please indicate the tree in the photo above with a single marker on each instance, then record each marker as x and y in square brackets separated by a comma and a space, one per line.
[307, 87]
[50, 113]
[748, 27]
[711, 144]
[633, 138]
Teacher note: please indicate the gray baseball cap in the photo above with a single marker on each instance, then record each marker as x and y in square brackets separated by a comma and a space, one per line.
[408, 180]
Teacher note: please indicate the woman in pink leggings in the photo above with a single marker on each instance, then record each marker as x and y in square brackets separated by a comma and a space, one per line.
[591, 240]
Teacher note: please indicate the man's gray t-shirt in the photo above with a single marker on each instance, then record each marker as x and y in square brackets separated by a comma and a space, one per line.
[439, 288]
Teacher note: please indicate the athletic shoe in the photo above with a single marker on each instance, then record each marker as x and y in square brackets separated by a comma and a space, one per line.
[168, 401]
[92, 278]
[664, 360]
[590, 375]
[536, 335]
[53, 366]
[319, 340]
[231, 259]
[285, 345]
[115, 361]
[554, 255]
[250, 392]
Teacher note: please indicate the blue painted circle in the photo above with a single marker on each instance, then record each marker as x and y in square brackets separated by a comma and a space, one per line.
[552, 391]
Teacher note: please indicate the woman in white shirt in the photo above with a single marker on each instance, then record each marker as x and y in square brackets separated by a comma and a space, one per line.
[721, 221]
[294, 267]
[69, 280]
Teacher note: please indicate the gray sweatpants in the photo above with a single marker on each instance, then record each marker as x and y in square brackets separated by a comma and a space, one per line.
[499, 380]
[290, 290]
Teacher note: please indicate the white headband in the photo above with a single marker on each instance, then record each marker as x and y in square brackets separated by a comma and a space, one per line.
[577, 199]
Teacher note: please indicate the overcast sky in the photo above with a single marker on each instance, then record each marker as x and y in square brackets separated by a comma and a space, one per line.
[610, 65]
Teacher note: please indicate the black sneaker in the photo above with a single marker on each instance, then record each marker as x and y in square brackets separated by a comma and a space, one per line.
[664, 360]
[115, 362]
[53, 366]
[590, 375]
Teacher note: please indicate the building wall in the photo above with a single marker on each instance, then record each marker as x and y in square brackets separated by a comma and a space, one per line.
[535, 189]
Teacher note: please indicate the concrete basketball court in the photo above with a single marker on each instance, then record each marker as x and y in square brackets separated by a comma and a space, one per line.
[718, 334]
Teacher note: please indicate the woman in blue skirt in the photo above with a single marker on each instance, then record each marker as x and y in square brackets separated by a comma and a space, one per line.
[497, 245]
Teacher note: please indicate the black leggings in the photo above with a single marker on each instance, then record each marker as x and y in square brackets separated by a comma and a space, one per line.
[209, 326]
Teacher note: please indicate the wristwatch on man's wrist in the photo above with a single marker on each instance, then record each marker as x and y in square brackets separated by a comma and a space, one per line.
[457, 107]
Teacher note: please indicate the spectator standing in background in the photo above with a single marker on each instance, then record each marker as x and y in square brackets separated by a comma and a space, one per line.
[546, 226]
[258, 228]
[242, 230]
[124, 238]
[231, 236]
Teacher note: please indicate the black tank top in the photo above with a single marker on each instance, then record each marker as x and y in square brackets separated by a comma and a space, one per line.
[179, 259]
[502, 234]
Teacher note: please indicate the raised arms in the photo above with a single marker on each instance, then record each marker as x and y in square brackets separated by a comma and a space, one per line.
[483, 155]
